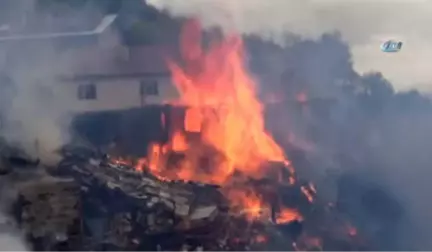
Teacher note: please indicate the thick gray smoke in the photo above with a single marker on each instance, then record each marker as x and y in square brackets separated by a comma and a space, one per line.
[38, 118]
[36, 113]
[10, 238]
[363, 24]
[9, 242]
[372, 129]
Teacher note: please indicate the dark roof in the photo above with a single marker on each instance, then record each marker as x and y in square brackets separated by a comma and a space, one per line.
[59, 31]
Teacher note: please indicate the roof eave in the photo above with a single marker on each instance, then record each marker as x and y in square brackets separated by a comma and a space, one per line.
[106, 22]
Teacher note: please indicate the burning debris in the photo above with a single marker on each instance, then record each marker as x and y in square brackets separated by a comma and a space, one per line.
[144, 206]
[48, 211]
[221, 182]
[93, 202]
[150, 213]
[13, 156]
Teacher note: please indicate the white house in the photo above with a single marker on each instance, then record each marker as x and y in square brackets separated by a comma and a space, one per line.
[86, 69]
[97, 72]
[117, 77]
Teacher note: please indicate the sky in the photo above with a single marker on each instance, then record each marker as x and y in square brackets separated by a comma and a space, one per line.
[363, 24]
[408, 69]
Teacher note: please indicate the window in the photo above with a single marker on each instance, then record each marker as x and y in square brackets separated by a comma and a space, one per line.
[87, 92]
[149, 88]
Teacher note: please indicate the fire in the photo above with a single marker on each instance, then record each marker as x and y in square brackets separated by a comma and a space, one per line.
[251, 204]
[309, 191]
[221, 97]
[193, 120]
[224, 113]
[288, 215]
[308, 244]
[301, 97]
[260, 239]
[179, 142]
[352, 231]
[223, 140]
[120, 161]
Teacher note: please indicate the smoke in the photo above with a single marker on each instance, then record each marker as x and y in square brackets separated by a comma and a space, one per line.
[384, 134]
[402, 155]
[374, 129]
[9, 242]
[11, 238]
[38, 119]
[363, 24]
[35, 110]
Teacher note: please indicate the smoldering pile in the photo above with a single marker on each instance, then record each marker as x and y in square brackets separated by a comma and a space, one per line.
[169, 202]
[143, 212]
[92, 201]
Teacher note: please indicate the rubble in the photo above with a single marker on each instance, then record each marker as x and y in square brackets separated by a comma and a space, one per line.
[48, 211]
[139, 204]
[12, 156]
[138, 211]
[93, 203]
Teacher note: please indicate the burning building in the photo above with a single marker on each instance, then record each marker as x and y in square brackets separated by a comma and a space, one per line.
[220, 140]
[215, 179]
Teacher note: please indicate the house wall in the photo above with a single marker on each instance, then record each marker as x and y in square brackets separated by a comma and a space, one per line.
[116, 94]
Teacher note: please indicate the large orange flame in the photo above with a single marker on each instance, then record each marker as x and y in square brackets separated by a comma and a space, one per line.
[223, 111]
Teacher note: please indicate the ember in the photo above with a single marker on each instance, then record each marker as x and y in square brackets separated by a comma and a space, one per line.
[302, 97]
[288, 215]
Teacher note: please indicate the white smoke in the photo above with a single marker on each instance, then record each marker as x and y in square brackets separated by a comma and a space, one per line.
[41, 111]
[39, 117]
[9, 242]
[363, 24]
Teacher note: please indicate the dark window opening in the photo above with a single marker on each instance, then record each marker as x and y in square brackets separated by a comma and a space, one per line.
[149, 88]
[87, 92]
